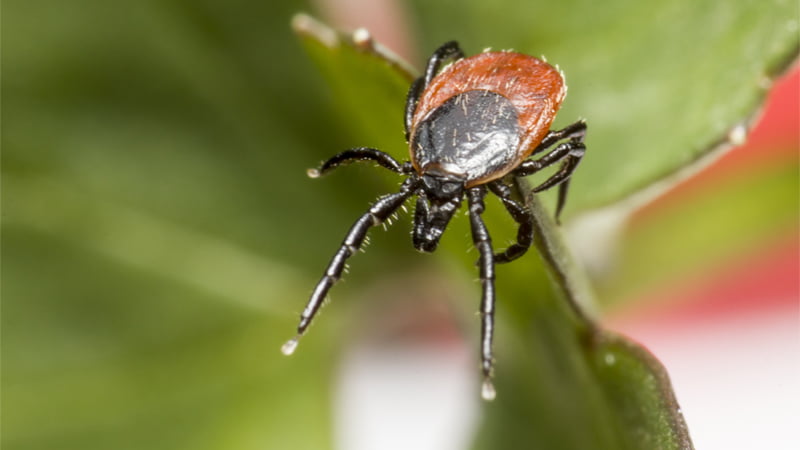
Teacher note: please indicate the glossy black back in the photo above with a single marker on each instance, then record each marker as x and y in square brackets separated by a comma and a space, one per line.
[472, 135]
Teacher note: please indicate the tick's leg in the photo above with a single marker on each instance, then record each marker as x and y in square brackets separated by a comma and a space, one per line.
[571, 149]
[377, 214]
[575, 131]
[563, 188]
[446, 51]
[521, 215]
[411, 103]
[571, 153]
[361, 154]
[561, 178]
[482, 241]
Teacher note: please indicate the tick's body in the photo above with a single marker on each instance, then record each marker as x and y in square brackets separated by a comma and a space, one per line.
[468, 127]
[487, 113]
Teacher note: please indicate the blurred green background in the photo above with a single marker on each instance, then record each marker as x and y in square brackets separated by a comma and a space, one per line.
[159, 233]
[160, 236]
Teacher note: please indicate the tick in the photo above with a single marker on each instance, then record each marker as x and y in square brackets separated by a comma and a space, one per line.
[471, 127]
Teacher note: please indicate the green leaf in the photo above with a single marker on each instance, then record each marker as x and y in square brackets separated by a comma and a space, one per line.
[357, 71]
[661, 84]
[556, 370]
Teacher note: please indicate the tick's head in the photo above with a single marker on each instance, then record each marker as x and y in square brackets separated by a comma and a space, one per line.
[438, 200]
[442, 188]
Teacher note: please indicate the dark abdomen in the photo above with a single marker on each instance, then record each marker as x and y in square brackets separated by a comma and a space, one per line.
[472, 135]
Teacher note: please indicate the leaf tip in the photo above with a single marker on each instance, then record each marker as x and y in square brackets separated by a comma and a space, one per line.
[305, 25]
